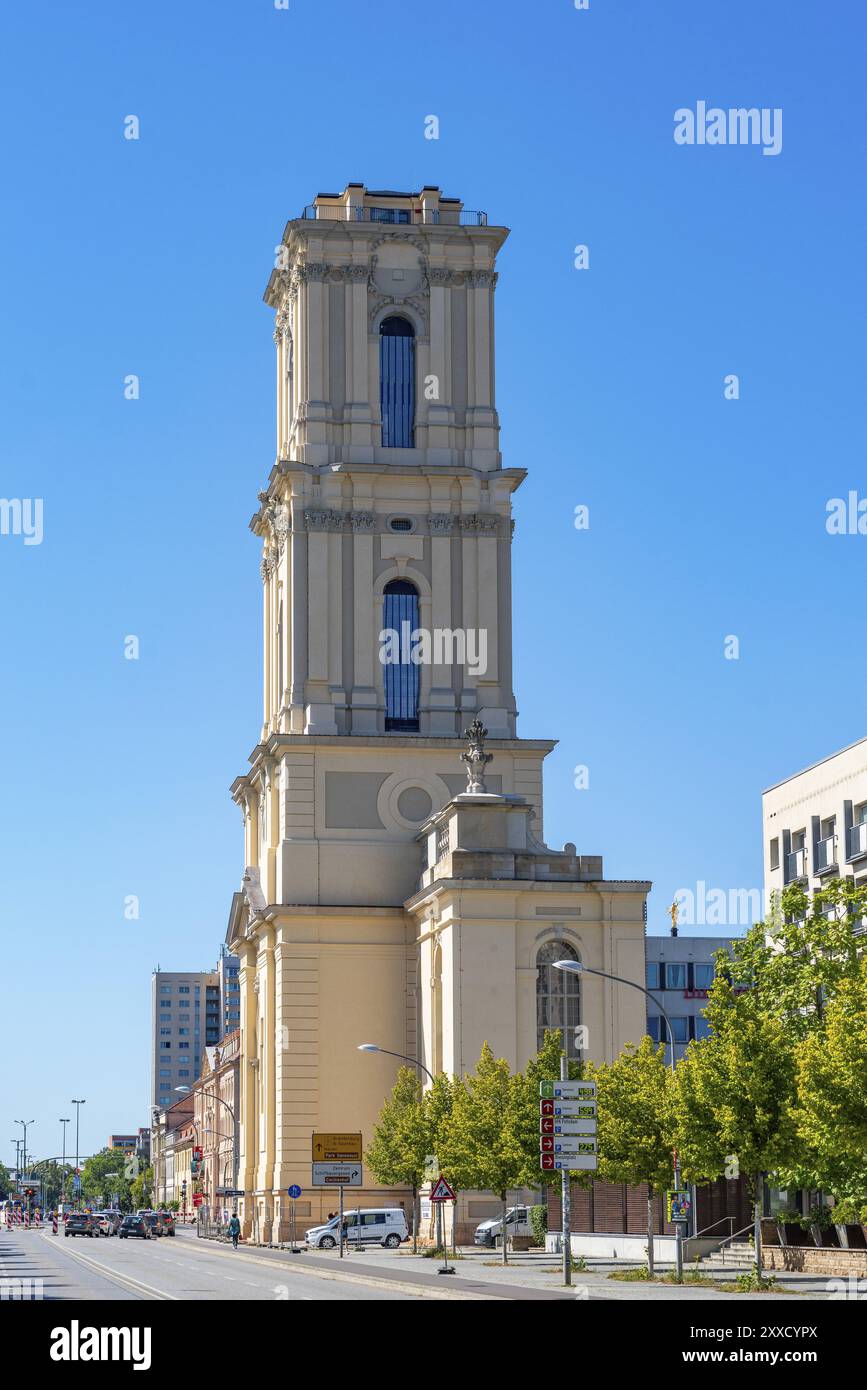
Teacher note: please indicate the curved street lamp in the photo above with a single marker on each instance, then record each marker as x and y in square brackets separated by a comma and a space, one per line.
[211, 1095]
[577, 967]
[413, 1061]
[374, 1047]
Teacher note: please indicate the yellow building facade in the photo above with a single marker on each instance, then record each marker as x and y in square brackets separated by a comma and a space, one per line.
[387, 895]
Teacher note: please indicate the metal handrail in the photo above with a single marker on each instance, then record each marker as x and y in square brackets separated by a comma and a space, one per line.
[355, 212]
[729, 1239]
[711, 1226]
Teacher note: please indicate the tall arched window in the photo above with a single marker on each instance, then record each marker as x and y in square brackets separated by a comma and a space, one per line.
[397, 382]
[400, 616]
[558, 995]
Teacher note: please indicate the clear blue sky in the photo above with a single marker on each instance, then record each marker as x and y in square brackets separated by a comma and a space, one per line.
[707, 516]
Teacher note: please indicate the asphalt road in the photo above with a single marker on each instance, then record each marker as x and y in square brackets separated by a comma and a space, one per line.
[77, 1267]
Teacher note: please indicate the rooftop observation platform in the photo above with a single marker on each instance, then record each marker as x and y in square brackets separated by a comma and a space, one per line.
[357, 203]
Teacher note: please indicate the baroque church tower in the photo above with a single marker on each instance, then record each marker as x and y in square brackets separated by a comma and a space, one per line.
[383, 902]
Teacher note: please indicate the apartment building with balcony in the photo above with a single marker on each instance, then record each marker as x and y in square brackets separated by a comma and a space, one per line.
[815, 823]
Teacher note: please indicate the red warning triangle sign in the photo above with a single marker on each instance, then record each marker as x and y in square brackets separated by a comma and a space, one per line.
[442, 1192]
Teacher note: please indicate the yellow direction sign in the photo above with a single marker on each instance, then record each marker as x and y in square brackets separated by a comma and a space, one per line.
[337, 1148]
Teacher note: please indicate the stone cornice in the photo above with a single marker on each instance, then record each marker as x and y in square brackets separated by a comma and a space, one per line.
[508, 479]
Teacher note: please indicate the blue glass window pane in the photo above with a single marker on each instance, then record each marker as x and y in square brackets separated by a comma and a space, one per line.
[400, 613]
[397, 382]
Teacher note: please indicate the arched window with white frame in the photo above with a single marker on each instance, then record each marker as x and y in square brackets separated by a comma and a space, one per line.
[558, 996]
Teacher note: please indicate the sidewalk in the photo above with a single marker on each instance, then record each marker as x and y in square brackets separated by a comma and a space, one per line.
[528, 1276]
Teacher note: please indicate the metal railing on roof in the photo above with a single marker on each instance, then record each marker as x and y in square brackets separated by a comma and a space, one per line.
[395, 217]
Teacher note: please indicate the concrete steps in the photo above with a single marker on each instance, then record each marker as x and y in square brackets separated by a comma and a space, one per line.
[737, 1256]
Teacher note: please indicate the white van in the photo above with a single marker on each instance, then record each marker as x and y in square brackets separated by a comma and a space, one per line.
[372, 1225]
[517, 1224]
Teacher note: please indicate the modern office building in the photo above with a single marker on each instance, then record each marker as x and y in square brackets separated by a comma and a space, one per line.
[230, 991]
[680, 971]
[126, 1143]
[815, 823]
[186, 1017]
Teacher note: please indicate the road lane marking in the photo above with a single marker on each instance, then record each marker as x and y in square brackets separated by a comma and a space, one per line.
[134, 1285]
[417, 1290]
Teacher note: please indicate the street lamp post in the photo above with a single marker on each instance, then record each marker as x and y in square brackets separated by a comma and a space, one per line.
[187, 1090]
[577, 967]
[374, 1047]
[24, 1125]
[78, 1104]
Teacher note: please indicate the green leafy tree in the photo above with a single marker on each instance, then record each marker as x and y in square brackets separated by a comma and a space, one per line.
[831, 1112]
[402, 1140]
[635, 1123]
[5, 1181]
[797, 960]
[104, 1175]
[141, 1190]
[55, 1177]
[482, 1144]
[734, 1094]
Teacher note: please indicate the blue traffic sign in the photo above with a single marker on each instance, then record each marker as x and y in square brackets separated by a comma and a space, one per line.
[294, 1190]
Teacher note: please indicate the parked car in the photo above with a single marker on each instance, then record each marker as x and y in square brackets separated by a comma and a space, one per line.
[372, 1226]
[134, 1226]
[517, 1224]
[81, 1223]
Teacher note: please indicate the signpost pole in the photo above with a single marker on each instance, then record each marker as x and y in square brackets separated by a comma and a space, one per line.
[565, 1200]
[341, 1221]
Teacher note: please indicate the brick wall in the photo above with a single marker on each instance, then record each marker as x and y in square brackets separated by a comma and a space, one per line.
[830, 1262]
[622, 1210]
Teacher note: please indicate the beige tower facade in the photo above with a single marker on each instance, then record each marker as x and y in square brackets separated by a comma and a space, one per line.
[383, 902]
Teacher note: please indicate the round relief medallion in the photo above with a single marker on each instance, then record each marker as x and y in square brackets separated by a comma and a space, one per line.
[414, 804]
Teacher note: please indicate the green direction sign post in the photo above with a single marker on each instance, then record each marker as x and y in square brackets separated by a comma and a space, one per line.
[567, 1127]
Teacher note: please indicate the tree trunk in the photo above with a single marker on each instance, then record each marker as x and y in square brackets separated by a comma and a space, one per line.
[503, 1197]
[650, 1229]
[757, 1216]
[415, 1218]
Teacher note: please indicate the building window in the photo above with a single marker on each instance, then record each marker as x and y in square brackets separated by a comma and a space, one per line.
[653, 1027]
[183, 989]
[675, 975]
[400, 523]
[397, 382]
[703, 973]
[652, 973]
[775, 852]
[558, 996]
[166, 1071]
[400, 215]
[400, 614]
[702, 1027]
[165, 989]
[680, 1027]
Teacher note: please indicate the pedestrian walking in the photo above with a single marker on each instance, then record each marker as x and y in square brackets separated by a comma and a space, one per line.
[234, 1230]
